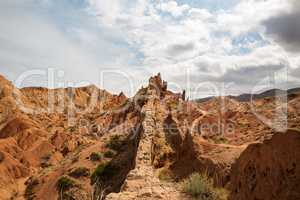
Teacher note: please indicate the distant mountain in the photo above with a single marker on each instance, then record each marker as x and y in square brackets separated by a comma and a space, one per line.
[294, 90]
[247, 97]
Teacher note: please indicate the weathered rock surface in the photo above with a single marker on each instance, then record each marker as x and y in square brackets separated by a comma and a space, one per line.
[269, 170]
[142, 182]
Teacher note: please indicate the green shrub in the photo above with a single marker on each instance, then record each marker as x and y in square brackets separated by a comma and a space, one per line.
[164, 174]
[45, 161]
[65, 183]
[79, 172]
[45, 164]
[109, 154]
[72, 129]
[104, 171]
[116, 142]
[221, 140]
[95, 156]
[98, 172]
[173, 104]
[29, 193]
[200, 186]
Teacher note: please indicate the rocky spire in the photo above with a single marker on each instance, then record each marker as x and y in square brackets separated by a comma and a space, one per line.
[157, 86]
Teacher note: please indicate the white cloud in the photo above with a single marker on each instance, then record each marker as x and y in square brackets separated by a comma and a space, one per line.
[30, 40]
[248, 15]
[107, 11]
[173, 8]
[142, 37]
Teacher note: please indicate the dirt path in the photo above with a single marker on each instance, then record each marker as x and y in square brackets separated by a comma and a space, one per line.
[141, 183]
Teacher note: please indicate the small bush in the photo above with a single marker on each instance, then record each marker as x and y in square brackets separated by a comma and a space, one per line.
[104, 171]
[109, 154]
[72, 129]
[221, 140]
[68, 196]
[98, 172]
[164, 174]
[116, 142]
[95, 156]
[29, 193]
[200, 186]
[65, 183]
[45, 161]
[45, 164]
[173, 104]
[79, 172]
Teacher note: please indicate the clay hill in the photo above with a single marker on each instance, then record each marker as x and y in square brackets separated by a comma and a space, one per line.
[85, 143]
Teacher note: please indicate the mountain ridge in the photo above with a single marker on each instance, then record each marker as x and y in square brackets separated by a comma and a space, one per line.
[247, 97]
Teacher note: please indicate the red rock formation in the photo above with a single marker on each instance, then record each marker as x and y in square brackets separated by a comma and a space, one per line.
[269, 170]
[59, 136]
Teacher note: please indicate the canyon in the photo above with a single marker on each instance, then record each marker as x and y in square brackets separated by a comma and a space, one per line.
[85, 143]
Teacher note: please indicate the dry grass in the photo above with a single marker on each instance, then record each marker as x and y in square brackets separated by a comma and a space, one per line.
[65, 183]
[200, 186]
[164, 174]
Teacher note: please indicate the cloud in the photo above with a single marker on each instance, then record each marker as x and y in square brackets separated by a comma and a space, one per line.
[33, 39]
[247, 15]
[142, 37]
[202, 14]
[173, 8]
[220, 45]
[257, 73]
[285, 27]
[177, 49]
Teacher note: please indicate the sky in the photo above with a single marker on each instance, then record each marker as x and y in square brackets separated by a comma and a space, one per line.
[208, 47]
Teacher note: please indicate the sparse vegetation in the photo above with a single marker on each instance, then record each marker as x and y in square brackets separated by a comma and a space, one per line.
[45, 161]
[65, 183]
[72, 129]
[29, 193]
[201, 187]
[109, 154]
[103, 170]
[98, 172]
[173, 104]
[79, 172]
[115, 143]
[95, 156]
[45, 164]
[162, 151]
[221, 140]
[164, 174]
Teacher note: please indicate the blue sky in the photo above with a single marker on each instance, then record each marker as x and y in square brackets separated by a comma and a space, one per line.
[211, 5]
[129, 40]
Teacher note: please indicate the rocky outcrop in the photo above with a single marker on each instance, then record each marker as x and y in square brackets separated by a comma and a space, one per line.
[120, 165]
[168, 146]
[142, 182]
[269, 170]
